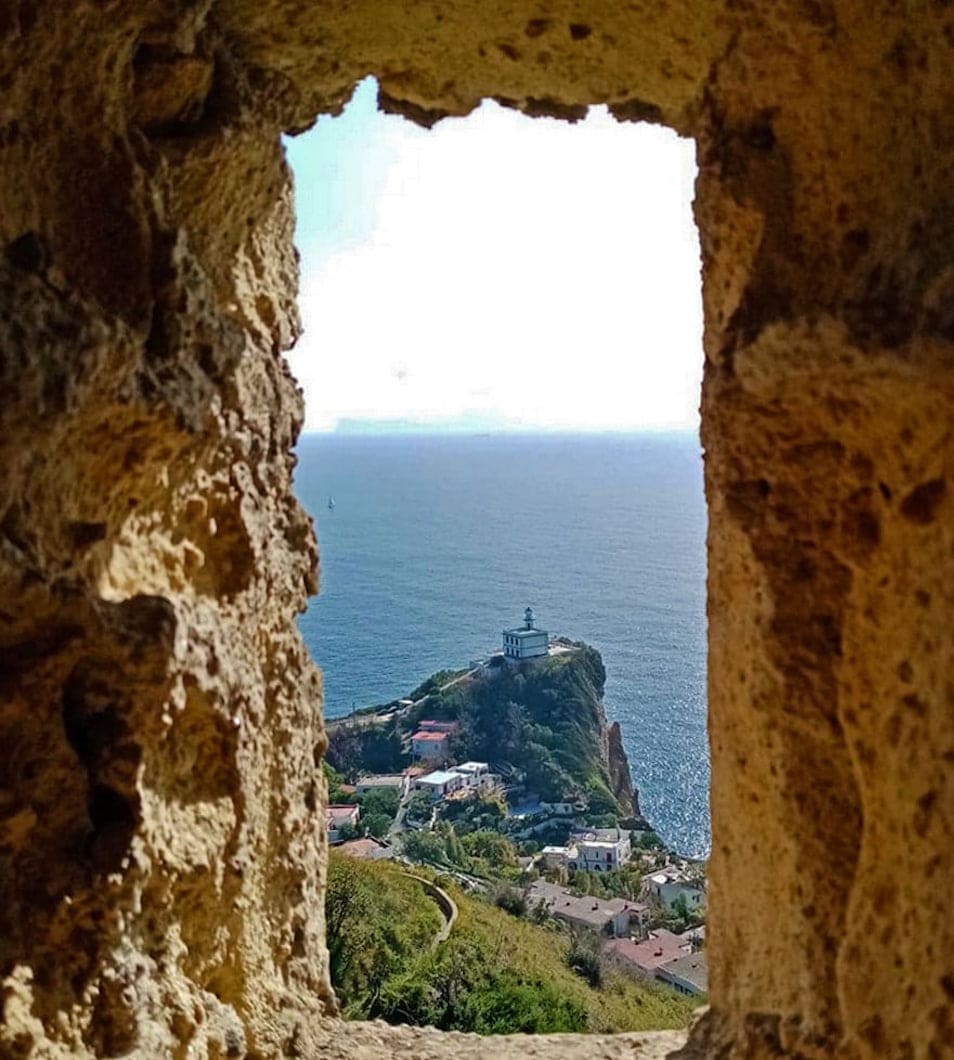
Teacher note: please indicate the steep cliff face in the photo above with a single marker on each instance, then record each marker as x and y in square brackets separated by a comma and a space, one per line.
[545, 717]
[617, 765]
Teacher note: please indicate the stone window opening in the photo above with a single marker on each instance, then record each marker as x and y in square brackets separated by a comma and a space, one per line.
[308, 185]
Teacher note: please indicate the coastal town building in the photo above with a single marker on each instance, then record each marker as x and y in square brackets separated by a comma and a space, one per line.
[643, 958]
[615, 916]
[526, 641]
[431, 745]
[688, 974]
[367, 849]
[476, 775]
[340, 815]
[398, 782]
[669, 885]
[562, 809]
[439, 784]
[432, 725]
[599, 850]
[555, 857]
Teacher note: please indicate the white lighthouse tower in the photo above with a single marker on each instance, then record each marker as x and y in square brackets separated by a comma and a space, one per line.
[526, 641]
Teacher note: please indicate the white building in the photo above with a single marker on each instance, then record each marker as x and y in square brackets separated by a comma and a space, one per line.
[668, 887]
[439, 784]
[556, 857]
[474, 774]
[525, 642]
[601, 850]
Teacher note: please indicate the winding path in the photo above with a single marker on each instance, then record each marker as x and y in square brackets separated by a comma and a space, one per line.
[443, 901]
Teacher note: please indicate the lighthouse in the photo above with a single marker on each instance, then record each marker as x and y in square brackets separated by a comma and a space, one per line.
[526, 641]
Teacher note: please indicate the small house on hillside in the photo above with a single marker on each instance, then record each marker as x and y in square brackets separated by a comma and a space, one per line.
[668, 887]
[615, 916]
[645, 957]
[366, 848]
[432, 745]
[688, 974]
[430, 725]
[526, 641]
[599, 850]
[439, 784]
[474, 774]
[398, 782]
[339, 816]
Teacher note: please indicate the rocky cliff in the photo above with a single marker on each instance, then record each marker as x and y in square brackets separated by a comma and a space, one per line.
[618, 765]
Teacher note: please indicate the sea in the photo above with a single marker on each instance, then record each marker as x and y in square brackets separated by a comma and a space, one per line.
[436, 543]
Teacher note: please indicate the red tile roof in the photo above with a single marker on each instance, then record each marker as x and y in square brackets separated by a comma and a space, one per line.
[661, 948]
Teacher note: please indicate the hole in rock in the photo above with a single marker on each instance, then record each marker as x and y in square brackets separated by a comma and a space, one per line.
[501, 363]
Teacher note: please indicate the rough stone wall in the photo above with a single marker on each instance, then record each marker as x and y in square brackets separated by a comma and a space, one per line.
[160, 861]
[160, 864]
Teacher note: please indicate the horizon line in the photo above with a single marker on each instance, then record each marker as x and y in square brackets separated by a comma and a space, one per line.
[492, 432]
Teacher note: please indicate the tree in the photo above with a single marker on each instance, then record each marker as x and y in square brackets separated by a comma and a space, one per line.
[511, 901]
[348, 904]
[348, 831]
[380, 801]
[376, 824]
[334, 780]
[419, 807]
[492, 847]
[424, 846]
[680, 907]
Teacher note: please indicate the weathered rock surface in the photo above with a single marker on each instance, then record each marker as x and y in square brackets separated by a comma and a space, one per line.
[618, 765]
[160, 856]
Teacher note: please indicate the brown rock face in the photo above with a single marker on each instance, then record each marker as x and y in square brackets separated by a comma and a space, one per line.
[619, 771]
[160, 852]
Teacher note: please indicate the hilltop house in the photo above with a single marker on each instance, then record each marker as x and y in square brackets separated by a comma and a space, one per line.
[430, 725]
[645, 957]
[525, 642]
[475, 774]
[599, 850]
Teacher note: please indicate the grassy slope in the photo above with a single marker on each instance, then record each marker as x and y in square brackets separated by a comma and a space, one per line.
[537, 953]
[504, 973]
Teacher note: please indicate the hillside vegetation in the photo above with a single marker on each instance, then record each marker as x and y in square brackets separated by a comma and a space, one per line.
[496, 974]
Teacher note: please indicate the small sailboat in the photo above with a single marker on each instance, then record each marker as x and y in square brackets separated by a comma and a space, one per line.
[331, 504]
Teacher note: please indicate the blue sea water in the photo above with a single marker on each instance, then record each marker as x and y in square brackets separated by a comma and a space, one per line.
[437, 543]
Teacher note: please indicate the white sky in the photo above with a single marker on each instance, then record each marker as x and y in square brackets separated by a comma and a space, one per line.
[504, 271]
